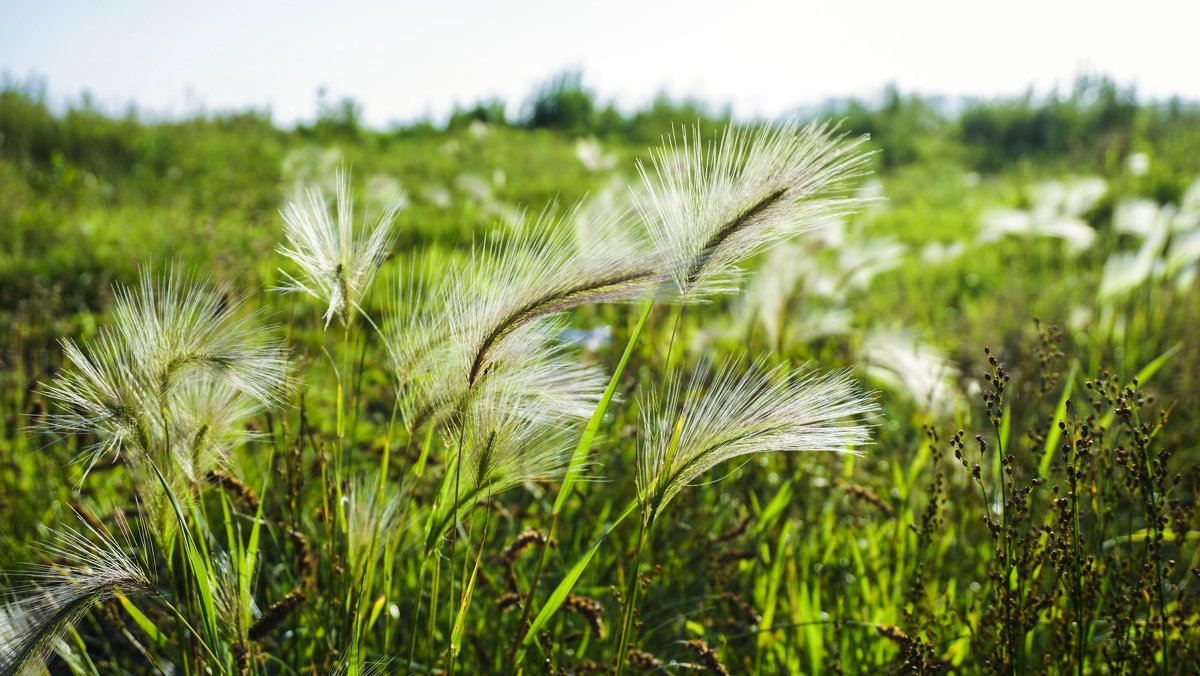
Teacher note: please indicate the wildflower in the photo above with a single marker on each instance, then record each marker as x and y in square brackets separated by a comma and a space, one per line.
[337, 262]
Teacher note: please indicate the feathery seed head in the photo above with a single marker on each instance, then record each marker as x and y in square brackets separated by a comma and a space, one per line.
[494, 319]
[337, 261]
[898, 360]
[731, 414]
[370, 517]
[503, 446]
[95, 569]
[710, 206]
[178, 362]
[235, 606]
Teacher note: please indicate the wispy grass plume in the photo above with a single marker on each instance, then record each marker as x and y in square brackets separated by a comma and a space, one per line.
[734, 413]
[502, 447]
[494, 318]
[169, 385]
[94, 569]
[179, 365]
[711, 205]
[337, 261]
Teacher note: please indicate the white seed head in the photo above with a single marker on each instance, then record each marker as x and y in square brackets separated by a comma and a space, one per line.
[710, 206]
[93, 569]
[337, 260]
[734, 413]
[180, 364]
[493, 318]
[502, 447]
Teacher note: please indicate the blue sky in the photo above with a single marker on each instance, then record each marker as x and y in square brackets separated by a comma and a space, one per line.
[404, 60]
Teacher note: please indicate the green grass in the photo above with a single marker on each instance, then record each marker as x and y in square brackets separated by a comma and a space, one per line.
[901, 558]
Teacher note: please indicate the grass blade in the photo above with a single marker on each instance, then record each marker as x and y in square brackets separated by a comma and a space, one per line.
[568, 583]
[1060, 411]
[593, 426]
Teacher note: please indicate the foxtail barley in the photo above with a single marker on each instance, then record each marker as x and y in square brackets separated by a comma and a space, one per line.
[734, 414]
[495, 318]
[96, 569]
[897, 360]
[371, 516]
[337, 261]
[710, 206]
[174, 374]
[501, 447]
[731, 414]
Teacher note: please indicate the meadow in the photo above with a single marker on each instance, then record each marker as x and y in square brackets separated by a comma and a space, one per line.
[602, 392]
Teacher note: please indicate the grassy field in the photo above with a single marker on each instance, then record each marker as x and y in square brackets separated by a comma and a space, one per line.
[923, 403]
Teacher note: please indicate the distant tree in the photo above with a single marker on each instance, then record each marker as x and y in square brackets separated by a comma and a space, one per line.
[562, 103]
[1095, 124]
[665, 114]
[339, 118]
[491, 111]
[905, 128]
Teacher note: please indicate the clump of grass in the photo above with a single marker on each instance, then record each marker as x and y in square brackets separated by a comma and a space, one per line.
[485, 391]
[1085, 525]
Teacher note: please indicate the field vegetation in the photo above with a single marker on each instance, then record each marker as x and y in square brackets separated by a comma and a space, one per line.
[593, 391]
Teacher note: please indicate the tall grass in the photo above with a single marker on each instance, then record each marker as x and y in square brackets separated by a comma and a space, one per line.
[442, 480]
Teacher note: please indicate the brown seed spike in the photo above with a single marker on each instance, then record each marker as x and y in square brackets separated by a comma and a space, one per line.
[641, 658]
[275, 615]
[708, 657]
[235, 487]
[892, 633]
[865, 494]
[527, 537]
[509, 601]
[588, 608]
[304, 556]
[737, 531]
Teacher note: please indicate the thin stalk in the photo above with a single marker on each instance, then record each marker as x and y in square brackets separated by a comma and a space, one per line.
[456, 501]
[1077, 593]
[355, 394]
[1156, 556]
[1014, 642]
[631, 595]
[412, 643]
[468, 585]
[433, 601]
[581, 453]
[195, 635]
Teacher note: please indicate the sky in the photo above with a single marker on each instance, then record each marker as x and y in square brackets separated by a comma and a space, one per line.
[407, 60]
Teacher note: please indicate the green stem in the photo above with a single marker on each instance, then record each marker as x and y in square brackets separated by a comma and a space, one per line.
[577, 460]
[630, 609]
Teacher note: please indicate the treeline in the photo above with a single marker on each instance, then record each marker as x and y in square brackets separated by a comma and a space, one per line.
[1097, 122]
[1094, 125]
